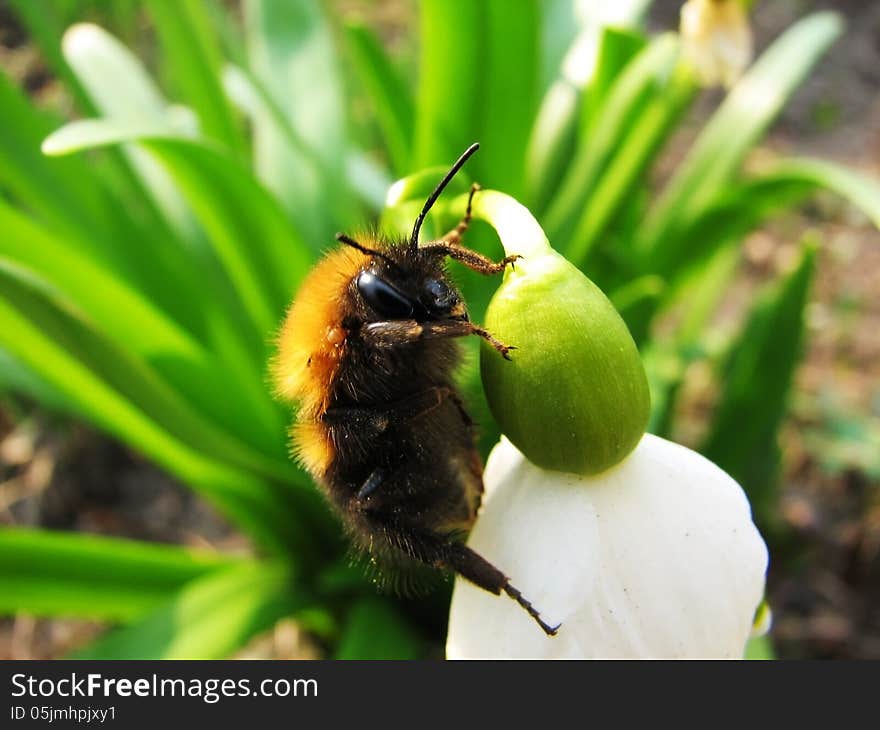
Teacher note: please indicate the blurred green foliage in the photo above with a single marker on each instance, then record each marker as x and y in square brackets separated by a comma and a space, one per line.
[149, 250]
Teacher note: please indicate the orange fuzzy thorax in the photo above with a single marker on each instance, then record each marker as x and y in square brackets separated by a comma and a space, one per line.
[310, 347]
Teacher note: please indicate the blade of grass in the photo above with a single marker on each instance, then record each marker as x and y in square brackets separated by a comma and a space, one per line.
[860, 190]
[625, 101]
[291, 52]
[636, 152]
[33, 330]
[192, 59]
[375, 630]
[509, 95]
[449, 99]
[369, 180]
[260, 251]
[237, 399]
[558, 30]
[229, 216]
[551, 144]
[69, 331]
[254, 99]
[738, 124]
[697, 298]
[64, 574]
[122, 311]
[630, 295]
[741, 207]
[16, 378]
[86, 233]
[617, 48]
[392, 100]
[566, 106]
[45, 25]
[742, 439]
[210, 618]
[120, 88]
[50, 188]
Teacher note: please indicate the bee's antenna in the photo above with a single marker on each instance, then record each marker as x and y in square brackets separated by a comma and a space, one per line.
[414, 238]
[348, 241]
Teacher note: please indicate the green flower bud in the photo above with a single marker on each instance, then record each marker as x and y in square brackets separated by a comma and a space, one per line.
[575, 396]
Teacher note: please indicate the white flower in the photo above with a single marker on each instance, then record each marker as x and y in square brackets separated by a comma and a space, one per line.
[656, 557]
[716, 40]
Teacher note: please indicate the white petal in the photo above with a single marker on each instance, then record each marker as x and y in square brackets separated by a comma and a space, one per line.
[716, 40]
[657, 557]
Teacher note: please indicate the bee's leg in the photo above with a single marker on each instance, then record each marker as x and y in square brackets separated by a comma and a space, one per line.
[472, 259]
[455, 235]
[497, 344]
[450, 245]
[371, 484]
[479, 571]
[407, 331]
[436, 550]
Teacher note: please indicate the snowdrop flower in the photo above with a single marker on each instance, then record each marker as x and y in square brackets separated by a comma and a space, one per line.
[716, 40]
[638, 547]
[656, 557]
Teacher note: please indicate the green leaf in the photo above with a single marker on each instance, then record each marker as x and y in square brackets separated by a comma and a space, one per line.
[88, 134]
[369, 180]
[566, 102]
[120, 88]
[634, 155]
[448, 102]
[696, 299]
[630, 295]
[192, 59]
[509, 95]
[701, 293]
[65, 574]
[291, 53]
[738, 209]
[51, 188]
[736, 127]
[98, 379]
[760, 648]
[742, 438]
[123, 312]
[376, 630]
[741, 207]
[638, 84]
[260, 251]
[860, 190]
[551, 144]
[391, 99]
[209, 618]
[16, 378]
[128, 375]
[617, 48]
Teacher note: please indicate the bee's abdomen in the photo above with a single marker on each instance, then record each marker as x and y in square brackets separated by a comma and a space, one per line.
[421, 466]
[313, 447]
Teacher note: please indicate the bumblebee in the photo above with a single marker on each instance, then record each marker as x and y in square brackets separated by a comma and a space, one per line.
[368, 352]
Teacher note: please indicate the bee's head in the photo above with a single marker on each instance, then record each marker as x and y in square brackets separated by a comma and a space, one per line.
[402, 282]
[420, 292]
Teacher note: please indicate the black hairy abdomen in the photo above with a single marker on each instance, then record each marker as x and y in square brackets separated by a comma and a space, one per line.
[420, 458]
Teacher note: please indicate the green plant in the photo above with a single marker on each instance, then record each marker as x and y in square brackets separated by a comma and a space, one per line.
[147, 257]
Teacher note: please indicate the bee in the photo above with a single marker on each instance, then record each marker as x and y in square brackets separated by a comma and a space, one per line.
[368, 351]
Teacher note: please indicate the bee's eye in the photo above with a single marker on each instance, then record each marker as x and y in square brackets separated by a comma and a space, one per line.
[438, 296]
[383, 298]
